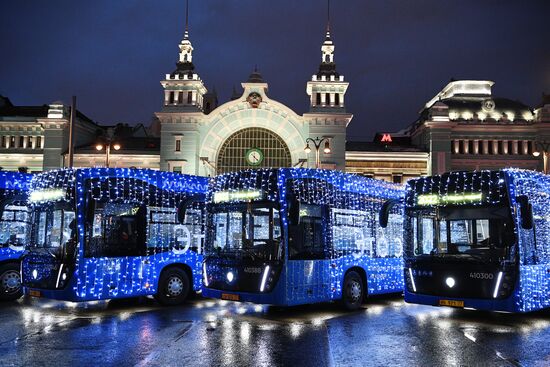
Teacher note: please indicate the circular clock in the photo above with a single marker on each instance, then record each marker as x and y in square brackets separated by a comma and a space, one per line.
[254, 157]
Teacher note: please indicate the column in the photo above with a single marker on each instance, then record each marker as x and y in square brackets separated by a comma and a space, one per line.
[456, 146]
[524, 147]
[515, 147]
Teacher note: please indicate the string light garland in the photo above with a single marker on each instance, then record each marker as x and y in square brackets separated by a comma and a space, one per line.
[96, 270]
[353, 236]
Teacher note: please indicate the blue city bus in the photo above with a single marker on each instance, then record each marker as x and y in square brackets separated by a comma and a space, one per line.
[297, 236]
[104, 233]
[14, 220]
[479, 240]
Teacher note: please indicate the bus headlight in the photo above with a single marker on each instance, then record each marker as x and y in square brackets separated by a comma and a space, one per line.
[204, 274]
[450, 281]
[230, 276]
[264, 278]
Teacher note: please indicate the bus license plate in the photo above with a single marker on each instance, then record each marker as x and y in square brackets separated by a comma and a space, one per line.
[35, 293]
[230, 297]
[451, 303]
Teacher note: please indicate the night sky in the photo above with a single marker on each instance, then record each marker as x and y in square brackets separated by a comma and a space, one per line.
[396, 54]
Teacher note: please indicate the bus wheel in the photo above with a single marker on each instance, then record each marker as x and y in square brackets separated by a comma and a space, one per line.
[174, 287]
[10, 282]
[353, 292]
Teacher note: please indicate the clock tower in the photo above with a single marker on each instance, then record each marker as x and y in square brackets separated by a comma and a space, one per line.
[327, 116]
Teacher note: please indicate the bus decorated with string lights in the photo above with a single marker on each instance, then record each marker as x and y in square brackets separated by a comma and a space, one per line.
[14, 225]
[103, 233]
[479, 240]
[297, 236]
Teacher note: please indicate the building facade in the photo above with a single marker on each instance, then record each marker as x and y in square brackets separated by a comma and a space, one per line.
[34, 138]
[464, 127]
[252, 130]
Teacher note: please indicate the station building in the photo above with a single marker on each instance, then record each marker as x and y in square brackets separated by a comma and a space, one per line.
[252, 130]
[463, 127]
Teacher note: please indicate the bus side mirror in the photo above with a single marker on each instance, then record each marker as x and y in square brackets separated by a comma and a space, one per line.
[384, 214]
[90, 209]
[526, 212]
[294, 213]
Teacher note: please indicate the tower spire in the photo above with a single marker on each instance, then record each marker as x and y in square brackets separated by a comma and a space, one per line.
[328, 17]
[186, 33]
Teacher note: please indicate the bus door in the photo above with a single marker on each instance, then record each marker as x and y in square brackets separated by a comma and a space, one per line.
[308, 268]
[116, 244]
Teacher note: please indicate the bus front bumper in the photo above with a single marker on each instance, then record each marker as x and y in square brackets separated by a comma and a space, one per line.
[259, 298]
[503, 305]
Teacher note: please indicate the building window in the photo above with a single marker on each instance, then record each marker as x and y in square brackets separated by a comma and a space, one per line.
[327, 99]
[180, 97]
[171, 98]
[397, 179]
[189, 97]
[178, 145]
[38, 142]
[232, 154]
[3, 142]
[12, 141]
[29, 142]
[317, 99]
[337, 99]
[177, 169]
[21, 141]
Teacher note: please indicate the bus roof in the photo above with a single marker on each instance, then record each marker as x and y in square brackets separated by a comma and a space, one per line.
[267, 179]
[65, 179]
[14, 180]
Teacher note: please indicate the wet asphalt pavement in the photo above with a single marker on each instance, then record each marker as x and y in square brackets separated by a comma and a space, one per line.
[386, 332]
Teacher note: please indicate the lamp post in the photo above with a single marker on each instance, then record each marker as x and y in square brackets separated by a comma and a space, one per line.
[544, 148]
[317, 144]
[108, 144]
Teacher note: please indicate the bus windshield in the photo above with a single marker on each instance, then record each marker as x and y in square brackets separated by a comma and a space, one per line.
[13, 226]
[54, 226]
[483, 233]
[246, 230]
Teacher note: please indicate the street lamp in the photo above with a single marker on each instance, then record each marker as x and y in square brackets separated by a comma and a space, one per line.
[544, 148]
[108, 145]
[317, 144]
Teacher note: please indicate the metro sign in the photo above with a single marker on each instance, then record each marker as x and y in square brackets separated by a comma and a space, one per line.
[386, 138]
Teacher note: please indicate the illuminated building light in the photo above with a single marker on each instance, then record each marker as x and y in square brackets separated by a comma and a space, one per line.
[264, 278]
[412, 280]
[497, 285]
[227, 196]
[46, 195]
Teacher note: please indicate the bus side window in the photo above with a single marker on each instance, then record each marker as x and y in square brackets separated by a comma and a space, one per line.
[307, 239]
[116, 230]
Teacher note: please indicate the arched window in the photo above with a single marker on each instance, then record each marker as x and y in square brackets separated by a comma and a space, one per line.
[232, 154]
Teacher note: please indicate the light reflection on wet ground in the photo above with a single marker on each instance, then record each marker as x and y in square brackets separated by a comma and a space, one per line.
[385, 332]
